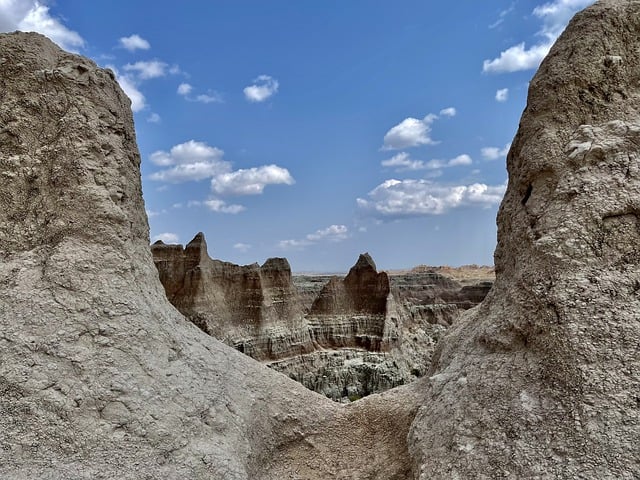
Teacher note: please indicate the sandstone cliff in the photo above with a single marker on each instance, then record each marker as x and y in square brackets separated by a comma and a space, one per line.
[347, 346]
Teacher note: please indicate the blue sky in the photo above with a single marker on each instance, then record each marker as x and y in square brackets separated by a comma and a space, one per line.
[317, 130]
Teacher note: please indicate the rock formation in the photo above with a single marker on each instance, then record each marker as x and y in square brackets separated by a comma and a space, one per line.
[347, 346]
[250, 307]
[100, 377]
[357, 337]
[543, 379]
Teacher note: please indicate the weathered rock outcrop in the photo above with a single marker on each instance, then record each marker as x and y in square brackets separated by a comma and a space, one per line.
[543, 379]
[253, 308]
[340, 352]
[100, 377]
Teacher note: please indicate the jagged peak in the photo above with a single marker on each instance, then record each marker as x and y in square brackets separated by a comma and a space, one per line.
[365, 262]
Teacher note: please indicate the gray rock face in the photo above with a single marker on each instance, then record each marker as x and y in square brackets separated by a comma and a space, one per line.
[100, 377]
[543, 379]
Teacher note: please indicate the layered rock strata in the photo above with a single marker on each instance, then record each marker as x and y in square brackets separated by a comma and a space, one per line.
[253, 308]
[345, 347]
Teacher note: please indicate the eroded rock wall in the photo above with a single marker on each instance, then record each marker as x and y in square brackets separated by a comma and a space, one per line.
[542, 380]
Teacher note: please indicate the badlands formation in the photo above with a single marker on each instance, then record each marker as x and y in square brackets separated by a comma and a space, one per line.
[101, 377]
[344, 338]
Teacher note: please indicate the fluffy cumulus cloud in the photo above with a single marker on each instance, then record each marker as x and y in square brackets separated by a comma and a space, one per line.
[494, 153]
[333, 233]
[134, 42]
[502, 95]
[34, 16]
[262, 88]
[403, 162]
[250, 181]
[147, 70]
[413, 132]
[194, 161]
[554, 17]
[166, 237]
[189, 161]
[448, 112]
[220, 206]
[184, 89]
[412, 198]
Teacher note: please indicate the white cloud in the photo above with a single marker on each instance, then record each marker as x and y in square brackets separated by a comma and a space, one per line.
[502, 95]
[147, 70]
[517, 58]
[188, 152]
[34, 16]
[134, 42]
[211, 97]
[251, 181]
[463, 159]
[448, 112]
[413, 132]
[333, 233]
[403, 162]
[193, 161]
[184, 89]
[167, 237]
[554, 16]
[410, 132]
[263, 87]
[410, 198]
[494, 153]
[128, 85]
[243, 247]
[220, 206]
[154, 118]
[293, 244]
[189, 161]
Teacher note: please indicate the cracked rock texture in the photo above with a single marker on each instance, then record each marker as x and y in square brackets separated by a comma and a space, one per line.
[543, 379]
